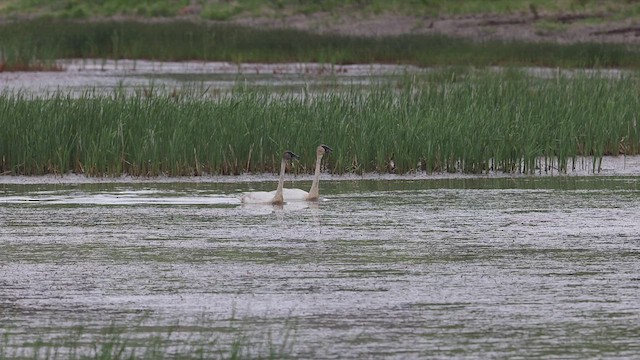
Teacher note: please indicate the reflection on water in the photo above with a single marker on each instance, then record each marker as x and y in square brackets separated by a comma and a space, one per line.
[448, 268]
[140, 197]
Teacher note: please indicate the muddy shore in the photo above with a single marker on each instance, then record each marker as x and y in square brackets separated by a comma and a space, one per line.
[560, 28]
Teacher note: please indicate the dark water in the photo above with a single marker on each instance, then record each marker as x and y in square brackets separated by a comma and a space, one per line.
[449, 268]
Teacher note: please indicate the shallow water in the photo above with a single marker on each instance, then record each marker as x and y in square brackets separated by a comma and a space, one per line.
[447, 268]
[80, 77]
[200, 78]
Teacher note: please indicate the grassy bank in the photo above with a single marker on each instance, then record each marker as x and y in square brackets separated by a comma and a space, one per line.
[447, 121]
[227, 9]
[35, 45]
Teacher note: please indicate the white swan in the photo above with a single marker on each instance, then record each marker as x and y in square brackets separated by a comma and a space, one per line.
[270, 197]
[314, 192]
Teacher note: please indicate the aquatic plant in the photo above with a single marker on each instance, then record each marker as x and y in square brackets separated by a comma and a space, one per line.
[36, 44]
[141, 340]
[446, 121]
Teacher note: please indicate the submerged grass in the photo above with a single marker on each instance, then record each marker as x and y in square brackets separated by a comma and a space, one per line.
[443, 122]
[143, 341]
[36, 44]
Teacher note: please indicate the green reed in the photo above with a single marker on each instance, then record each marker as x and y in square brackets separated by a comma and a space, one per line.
[36, 44]
[455, 121]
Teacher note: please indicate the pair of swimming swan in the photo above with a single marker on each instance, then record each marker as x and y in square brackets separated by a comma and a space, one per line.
[282, 195]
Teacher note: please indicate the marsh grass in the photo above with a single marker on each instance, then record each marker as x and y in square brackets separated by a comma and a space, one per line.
[144, 341]
[449, 121]
[36, 44]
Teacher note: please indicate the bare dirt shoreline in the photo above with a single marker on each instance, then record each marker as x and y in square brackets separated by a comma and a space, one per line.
[559, 28]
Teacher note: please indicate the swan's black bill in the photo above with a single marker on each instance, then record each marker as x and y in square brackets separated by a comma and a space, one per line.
[327, 150]
[291, 156]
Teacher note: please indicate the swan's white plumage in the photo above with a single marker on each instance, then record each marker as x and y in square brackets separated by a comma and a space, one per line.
[258, 197]
[314, 192]
[287, 194]
[294, 194]
[270, 197]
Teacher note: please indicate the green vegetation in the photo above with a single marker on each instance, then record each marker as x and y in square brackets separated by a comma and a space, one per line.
[275, 8]
[144, 341]
[446, 121]
[37, 44]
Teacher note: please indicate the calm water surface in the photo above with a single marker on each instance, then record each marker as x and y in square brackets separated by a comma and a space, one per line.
[104, 77]
[449, 268]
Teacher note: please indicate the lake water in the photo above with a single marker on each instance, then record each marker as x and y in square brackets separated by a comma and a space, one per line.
[195, 78]
[461, 267]
[211, 79]
[424, 266]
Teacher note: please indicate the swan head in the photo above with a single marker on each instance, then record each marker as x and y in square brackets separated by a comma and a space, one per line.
[288, 155]
[323, 149]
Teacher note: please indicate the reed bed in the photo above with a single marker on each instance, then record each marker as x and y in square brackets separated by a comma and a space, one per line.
[36, 44]
[450, 121]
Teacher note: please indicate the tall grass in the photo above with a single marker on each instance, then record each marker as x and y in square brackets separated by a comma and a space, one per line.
[471, 122]
[37, 44]
[117, 342]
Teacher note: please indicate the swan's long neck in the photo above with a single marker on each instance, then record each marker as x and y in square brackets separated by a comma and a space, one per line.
[314, 192]
[278, 199]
